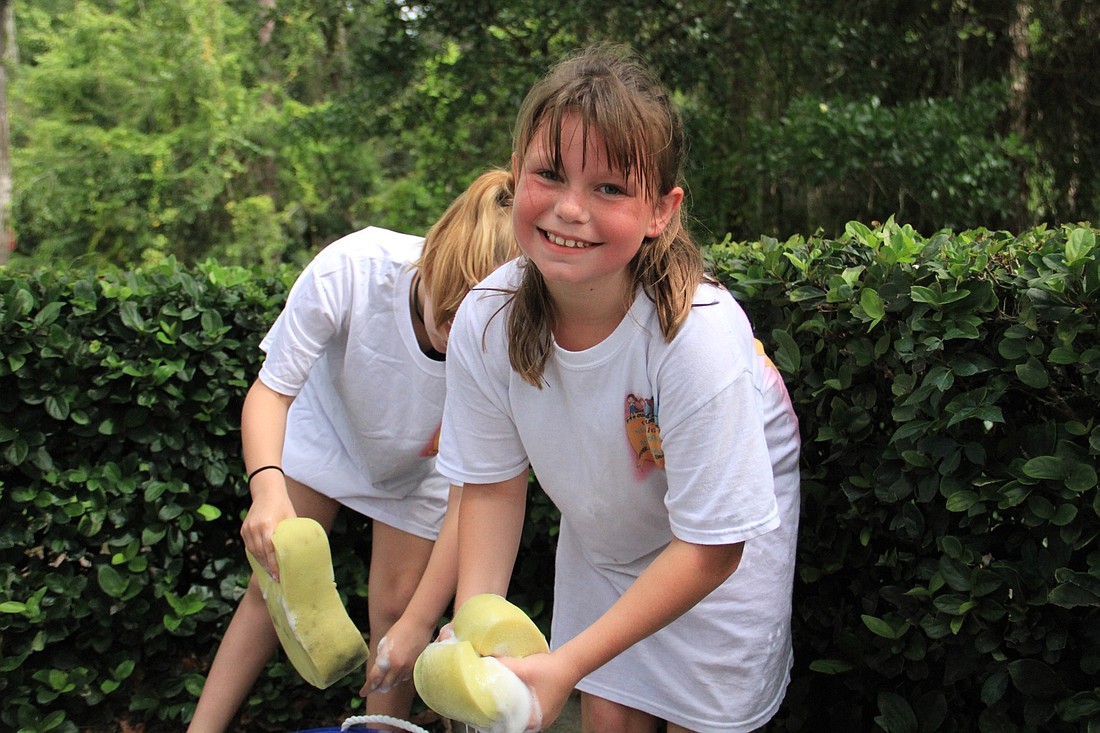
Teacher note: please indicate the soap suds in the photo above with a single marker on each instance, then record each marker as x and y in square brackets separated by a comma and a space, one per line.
[382, 662]
[289, 615]
[517, 705]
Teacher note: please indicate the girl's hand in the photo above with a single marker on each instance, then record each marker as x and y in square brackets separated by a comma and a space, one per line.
[396, 654]
[549, 681]
[263, 429]
[261, 520]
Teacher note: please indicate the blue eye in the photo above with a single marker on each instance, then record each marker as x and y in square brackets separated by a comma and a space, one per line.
[610, 189]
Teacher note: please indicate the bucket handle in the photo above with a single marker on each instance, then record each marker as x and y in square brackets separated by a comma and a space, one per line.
[386, 719]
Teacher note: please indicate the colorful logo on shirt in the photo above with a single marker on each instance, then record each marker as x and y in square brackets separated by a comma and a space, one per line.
[643, 433]
[432, 447]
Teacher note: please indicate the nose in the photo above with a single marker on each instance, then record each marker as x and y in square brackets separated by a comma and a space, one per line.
[571, 206]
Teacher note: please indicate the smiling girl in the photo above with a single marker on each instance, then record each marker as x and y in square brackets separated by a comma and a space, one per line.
[608, 362]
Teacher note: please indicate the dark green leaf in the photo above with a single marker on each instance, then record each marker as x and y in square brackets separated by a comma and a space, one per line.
[111, 581]
[830, 666]
[1045, 467]
[787, 356]
[1033, 374]
[1036, 679]
[896, 714]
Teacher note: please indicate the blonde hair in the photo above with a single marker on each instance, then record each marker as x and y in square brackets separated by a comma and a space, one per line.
[472, 238]
[621, 100]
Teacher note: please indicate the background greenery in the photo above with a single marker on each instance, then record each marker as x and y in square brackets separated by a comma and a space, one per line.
[947, 384]
[258, 130]
[948, 571]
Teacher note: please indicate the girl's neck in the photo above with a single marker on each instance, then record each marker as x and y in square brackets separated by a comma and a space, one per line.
[585, 317]
[416, 310]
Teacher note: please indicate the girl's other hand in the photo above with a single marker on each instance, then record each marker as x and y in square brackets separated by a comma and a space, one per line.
[396, 655]
[262, 518]
[549, 682]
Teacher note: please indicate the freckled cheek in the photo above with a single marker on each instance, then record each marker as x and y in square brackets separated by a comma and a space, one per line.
[527, 207]
[523, 223]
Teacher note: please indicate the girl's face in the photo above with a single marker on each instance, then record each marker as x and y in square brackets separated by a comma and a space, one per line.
[582, 224]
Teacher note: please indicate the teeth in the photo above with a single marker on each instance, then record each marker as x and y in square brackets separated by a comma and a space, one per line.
[562, 242]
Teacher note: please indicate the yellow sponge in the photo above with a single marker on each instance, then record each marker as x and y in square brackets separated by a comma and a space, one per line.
[498, 628]
[314, 629]
[459, 678]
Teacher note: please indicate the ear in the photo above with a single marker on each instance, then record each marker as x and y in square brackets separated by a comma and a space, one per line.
[667, 207]
[515, 169]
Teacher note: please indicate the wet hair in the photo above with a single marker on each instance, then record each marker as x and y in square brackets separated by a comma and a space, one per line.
[617, 97]
[472, 238]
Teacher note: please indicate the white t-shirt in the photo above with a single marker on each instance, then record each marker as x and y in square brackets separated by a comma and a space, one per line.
[637, 440]
[363, 427]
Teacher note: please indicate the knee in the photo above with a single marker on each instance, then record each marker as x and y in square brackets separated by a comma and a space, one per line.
[386, 606]
[603, 716]
[603, 721]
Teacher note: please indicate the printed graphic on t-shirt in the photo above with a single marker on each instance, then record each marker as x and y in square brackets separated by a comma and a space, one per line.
[644, 434]
[432, 447]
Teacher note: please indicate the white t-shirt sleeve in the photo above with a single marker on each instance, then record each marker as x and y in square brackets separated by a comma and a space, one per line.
[717, 463]
[725, 492]
[313, 315]
[487, 448]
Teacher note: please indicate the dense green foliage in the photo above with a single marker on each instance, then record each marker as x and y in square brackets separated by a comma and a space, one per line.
[119, 492]
[948, 570]
[121, 497]
[220, 128]
[948, 390]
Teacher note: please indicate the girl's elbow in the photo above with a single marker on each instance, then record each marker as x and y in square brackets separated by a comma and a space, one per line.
[717, 562]
[725, 563]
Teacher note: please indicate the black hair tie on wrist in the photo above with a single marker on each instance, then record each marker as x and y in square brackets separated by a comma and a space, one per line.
[263, 468]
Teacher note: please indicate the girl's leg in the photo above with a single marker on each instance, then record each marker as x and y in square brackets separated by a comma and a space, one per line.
[250, 639]
[673, 728]
[248, 644]
[603, 716]
[397, 562]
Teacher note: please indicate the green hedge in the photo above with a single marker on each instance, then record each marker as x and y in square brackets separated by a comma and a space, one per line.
[121, 499]
[948, 388]
[948, 576]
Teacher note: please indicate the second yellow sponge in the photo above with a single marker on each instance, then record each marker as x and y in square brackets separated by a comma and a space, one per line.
[318, 636]
[460, 678]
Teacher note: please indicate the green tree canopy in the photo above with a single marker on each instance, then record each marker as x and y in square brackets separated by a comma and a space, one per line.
[260, 130]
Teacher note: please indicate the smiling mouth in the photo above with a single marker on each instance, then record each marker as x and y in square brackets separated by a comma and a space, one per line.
[563, 242]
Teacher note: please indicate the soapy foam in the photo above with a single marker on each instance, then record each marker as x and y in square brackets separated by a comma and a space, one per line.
[382, 655]
[517, 705]
[382, 661]
[289, 615]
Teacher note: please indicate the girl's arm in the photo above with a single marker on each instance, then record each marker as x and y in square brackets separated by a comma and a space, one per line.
[399, 648]
[263, 429]
[489, 529]
[680, 576]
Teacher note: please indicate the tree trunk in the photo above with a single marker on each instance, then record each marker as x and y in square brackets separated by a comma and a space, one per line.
[269, 25]
[1018, 105]
[7, 55]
